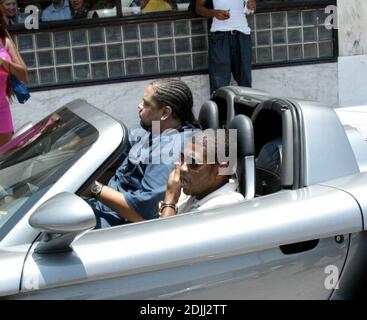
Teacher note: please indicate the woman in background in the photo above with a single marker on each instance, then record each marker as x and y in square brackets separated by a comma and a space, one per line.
[79, 9]
[11, 63]
[10, 11]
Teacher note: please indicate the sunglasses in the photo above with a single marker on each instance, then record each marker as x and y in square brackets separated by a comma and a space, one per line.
[192, 163]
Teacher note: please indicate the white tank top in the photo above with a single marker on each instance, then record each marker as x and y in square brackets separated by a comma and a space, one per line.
[237, 20]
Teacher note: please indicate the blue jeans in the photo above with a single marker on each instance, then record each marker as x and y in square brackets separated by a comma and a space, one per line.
[105, 217]
[229, 52]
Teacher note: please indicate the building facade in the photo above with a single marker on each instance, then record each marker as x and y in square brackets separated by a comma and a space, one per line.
[110, 55]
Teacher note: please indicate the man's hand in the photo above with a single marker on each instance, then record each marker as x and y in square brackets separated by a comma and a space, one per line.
[173, 192]
[173, 186]
[221, 14]
[251, 5]
[201, 10]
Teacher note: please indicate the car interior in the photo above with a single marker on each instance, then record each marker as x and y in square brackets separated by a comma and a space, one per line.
[265, 138]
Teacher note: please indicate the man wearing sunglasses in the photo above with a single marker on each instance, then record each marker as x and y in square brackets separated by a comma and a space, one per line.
[202, 180]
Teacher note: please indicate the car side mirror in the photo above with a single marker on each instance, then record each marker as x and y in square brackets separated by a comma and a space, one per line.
[62, 218]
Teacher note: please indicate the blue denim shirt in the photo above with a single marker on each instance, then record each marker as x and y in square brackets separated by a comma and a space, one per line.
[53, 14]
[142, 176]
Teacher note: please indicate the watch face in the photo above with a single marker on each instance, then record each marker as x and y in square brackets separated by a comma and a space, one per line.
[96, 189]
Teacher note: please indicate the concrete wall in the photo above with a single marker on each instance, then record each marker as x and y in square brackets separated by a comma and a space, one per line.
[314, 82]
[352, 62]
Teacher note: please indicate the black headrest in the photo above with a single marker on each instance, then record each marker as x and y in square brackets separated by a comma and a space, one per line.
[245, 135]
[209, 116]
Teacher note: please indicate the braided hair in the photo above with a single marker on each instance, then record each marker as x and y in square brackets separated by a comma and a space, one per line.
[177, 95]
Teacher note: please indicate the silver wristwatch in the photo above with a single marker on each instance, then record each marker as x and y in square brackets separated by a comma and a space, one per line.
[96, 189]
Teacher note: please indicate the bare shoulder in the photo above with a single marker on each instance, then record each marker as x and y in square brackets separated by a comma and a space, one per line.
[9, 44]
[12, 49]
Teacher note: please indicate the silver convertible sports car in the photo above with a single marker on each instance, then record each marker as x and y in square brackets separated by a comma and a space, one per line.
[299, 233]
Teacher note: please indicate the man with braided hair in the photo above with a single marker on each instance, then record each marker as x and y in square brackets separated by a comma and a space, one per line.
[136, 188]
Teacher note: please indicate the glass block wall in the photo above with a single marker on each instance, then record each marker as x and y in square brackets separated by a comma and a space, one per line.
[164, 47]
[288, 36]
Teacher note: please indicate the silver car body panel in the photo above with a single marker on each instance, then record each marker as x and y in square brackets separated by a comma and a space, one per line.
[110, 137]
[327, 154]
[354, 116]
[202, 237]
[11, 262]
[267, 274]
[354, 120]
[359, 146]
[356, 186]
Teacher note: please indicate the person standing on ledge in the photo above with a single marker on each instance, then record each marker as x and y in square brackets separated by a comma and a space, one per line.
[230, 48]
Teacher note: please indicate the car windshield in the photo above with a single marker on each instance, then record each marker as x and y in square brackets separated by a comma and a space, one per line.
[32, 162]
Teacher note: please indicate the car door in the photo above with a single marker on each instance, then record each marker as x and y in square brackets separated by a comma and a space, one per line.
[288, 245]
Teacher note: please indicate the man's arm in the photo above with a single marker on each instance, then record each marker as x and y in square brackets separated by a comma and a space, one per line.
[201, 10]
[173, 192]
[116, 201]
[140, 204]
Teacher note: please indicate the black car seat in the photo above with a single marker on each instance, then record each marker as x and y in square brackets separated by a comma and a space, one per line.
[270, 156]
[209, 115]
[245, 155]
[268, 167]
